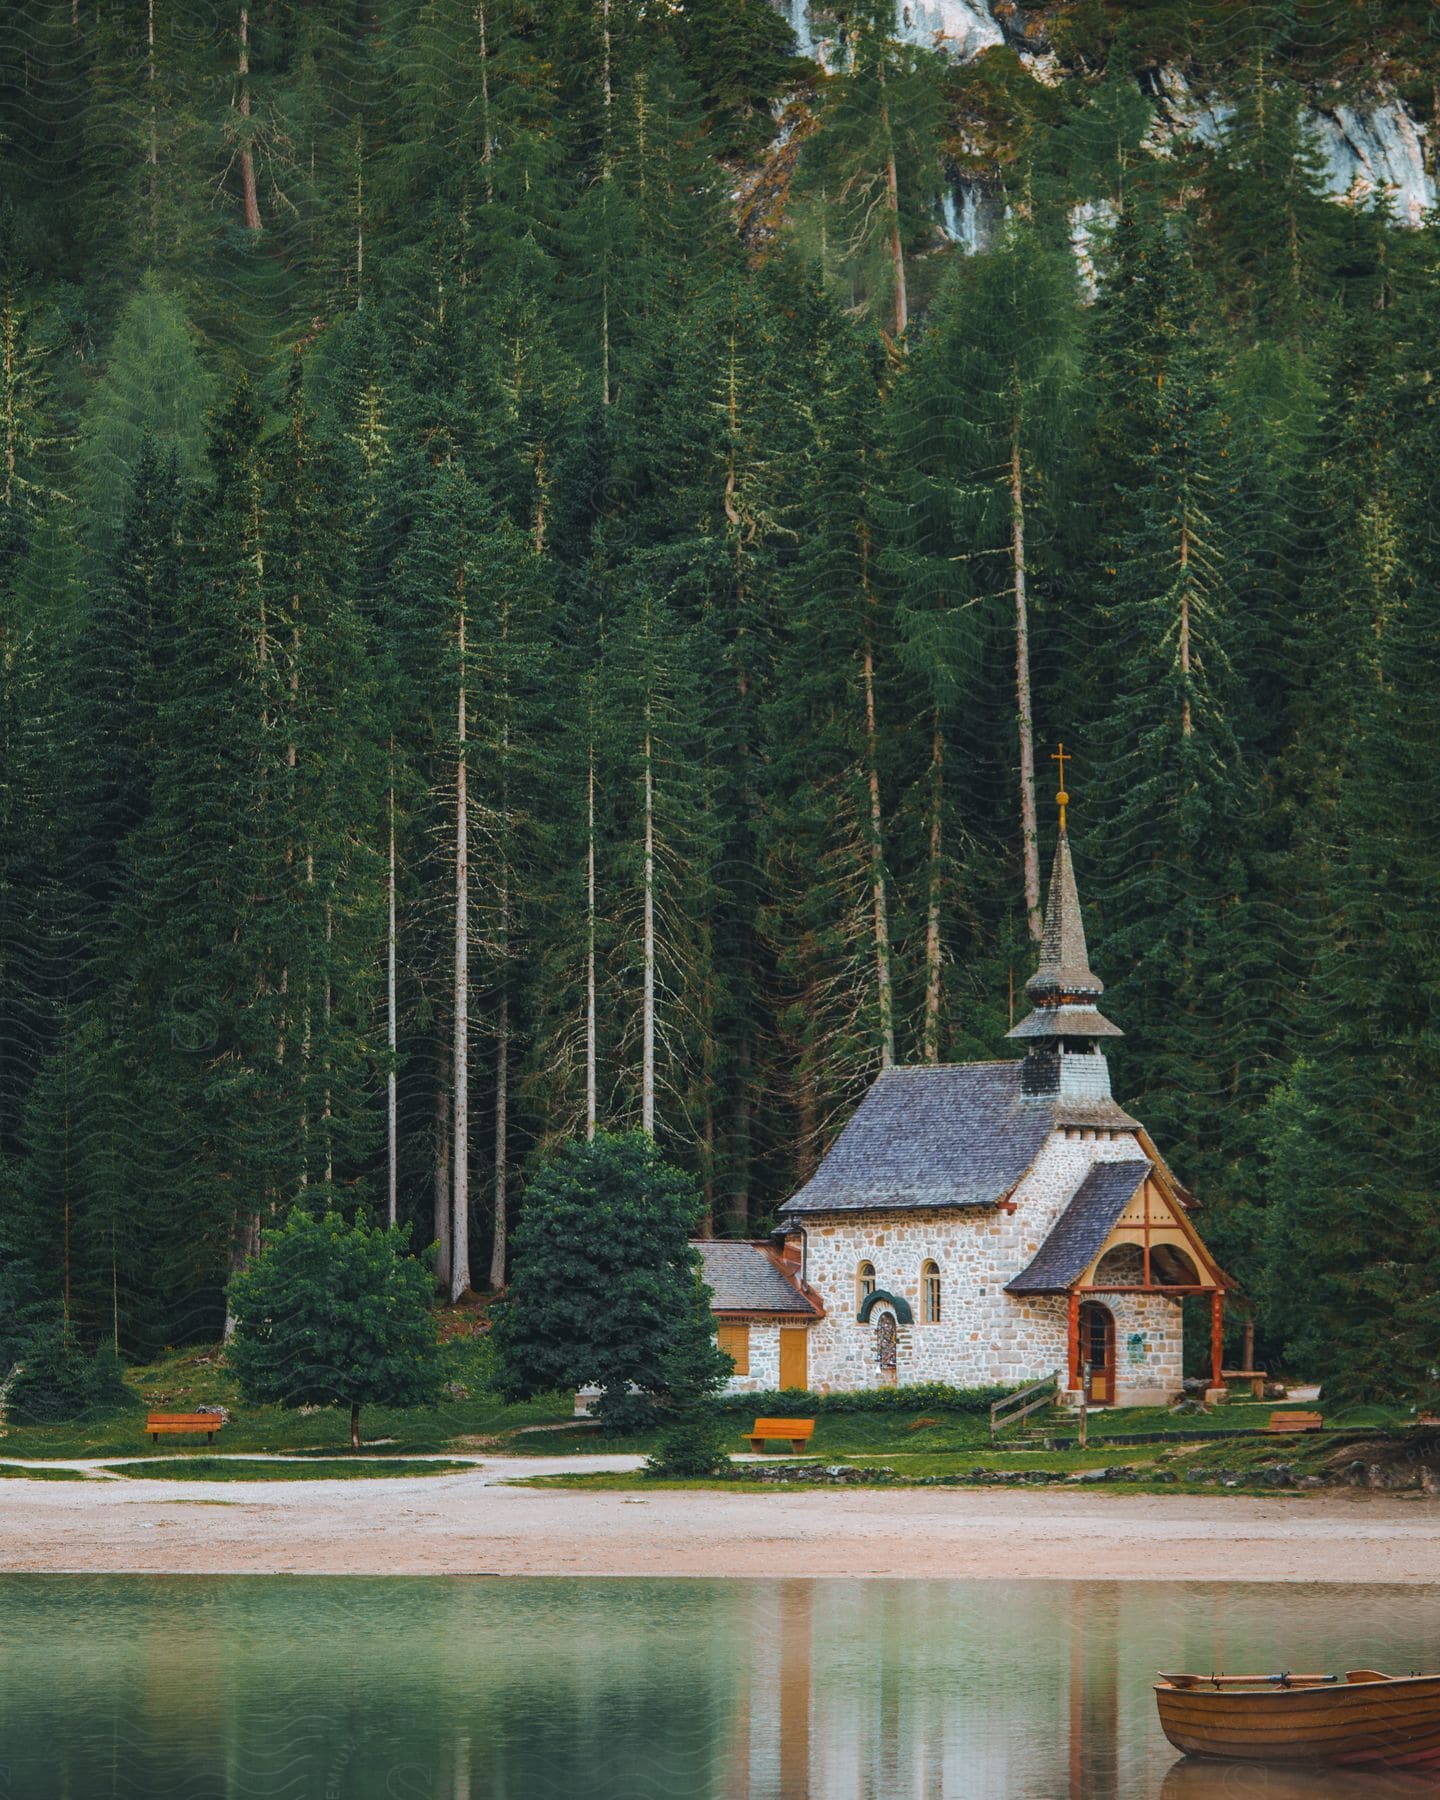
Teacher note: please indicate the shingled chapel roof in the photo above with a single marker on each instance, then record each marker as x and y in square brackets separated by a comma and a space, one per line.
[747, 1278]
[960, 1134]
[1082, 1228]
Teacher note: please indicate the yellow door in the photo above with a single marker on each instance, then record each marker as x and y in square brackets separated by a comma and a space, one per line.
[794, 1366]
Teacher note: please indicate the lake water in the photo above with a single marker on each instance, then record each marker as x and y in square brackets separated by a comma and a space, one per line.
[444, 1689]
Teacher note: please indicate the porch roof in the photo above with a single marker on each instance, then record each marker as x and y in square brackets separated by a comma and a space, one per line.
[1082, 1228]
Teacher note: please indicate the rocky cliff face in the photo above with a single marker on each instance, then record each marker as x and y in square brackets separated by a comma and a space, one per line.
[1374, 146]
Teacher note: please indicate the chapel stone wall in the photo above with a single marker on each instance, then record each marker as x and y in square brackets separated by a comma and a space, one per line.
[984, 1335]
[764, 1376]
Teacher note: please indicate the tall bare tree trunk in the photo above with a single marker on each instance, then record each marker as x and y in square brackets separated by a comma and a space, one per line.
[1186, 724]
[10, 340]
[486, 128]
[460, 1179]
[242, 106]
[1029, 836]
[443, 1258]
[608, 94]
[647, 1024]
[591, 1032]
[502, 1126]
[884, 987]
[152, 148]
[359, 217]
[892, 189]
[328, 1005]
[930, 1031]
[392, 1020]
[884, 992]
[502, 1021]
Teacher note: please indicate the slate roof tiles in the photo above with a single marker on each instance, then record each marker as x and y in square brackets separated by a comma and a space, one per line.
[1082, 1228]
[747, 1278]
[960, 1134]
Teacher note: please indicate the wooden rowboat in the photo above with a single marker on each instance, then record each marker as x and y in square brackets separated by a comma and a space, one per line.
[1333, 1720]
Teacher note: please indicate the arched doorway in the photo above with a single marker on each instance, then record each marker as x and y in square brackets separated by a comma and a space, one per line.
[1097, 1353]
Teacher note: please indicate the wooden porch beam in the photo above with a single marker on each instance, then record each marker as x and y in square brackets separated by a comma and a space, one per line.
[1217, 1337]
[1153, 1288]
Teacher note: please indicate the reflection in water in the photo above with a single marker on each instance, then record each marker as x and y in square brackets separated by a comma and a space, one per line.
[1190, 1780]
[451, 1689]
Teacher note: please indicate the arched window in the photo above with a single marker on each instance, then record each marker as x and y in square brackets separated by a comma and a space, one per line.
[864, 1282]
[930, 1293]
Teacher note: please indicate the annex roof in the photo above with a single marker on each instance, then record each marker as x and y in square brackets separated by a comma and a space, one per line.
[956, 1134]
[1082, 1228]
[747, 1278]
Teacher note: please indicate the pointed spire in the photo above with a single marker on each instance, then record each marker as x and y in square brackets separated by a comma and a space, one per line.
[1064, 989]
[1064, 960]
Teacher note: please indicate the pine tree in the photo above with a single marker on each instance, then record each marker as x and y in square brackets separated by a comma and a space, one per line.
[1165, 787]
[824, 848]
[1272, 233]
[987, 419]
[871, 170]
[155, 388]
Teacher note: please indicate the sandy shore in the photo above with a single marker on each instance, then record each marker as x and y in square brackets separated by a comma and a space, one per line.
[474, 1524]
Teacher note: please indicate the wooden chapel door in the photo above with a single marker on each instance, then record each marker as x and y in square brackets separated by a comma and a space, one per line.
[794, 1356]
[1097, 1351]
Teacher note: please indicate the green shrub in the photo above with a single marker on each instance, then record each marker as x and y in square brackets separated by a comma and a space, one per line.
[696, 1442]
[623, 1414]
[924, 1396]
[55, 1381]
[470, 1362]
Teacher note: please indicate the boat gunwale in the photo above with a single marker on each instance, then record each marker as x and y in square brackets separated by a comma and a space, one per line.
[1268, 1688]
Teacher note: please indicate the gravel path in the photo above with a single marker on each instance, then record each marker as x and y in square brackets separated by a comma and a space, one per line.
[473, 1523]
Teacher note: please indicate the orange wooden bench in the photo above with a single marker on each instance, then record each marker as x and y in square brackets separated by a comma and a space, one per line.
[1295, 1421]
[170, 1423]
[797, 1432]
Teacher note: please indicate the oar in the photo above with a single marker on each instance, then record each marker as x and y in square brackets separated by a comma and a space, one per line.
[1282, 1680]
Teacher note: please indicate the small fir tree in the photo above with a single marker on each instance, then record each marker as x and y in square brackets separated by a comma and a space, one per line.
[605, 1286]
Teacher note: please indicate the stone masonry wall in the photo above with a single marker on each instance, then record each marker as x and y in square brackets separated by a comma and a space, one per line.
[984, 1334]
[764, 1374]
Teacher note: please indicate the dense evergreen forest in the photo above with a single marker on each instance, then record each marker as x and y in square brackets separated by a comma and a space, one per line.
[538, 586]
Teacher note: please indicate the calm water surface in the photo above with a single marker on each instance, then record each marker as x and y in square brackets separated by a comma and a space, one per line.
[322, 1688]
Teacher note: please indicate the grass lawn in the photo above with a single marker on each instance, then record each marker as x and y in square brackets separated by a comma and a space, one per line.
[183, 1380]
[918, 1446]
[216, 1468]
[898, 1438]
[43, 1474]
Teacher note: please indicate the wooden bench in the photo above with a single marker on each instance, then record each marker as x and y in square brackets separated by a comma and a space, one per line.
[170, 1423]
[796, 1432]
[1256, 1378]
[1295, 1421]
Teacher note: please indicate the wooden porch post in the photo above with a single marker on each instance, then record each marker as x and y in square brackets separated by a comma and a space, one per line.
[1074, 1339]
[1217, 1338]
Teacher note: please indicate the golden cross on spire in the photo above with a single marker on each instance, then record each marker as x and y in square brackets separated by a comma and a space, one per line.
[1062, 799]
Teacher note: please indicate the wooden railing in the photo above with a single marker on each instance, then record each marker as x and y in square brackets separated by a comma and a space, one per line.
[1015, 1407]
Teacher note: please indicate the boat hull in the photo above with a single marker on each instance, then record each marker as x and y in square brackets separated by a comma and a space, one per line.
[1393, 1723]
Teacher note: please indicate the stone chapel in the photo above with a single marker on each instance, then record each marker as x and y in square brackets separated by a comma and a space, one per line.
[983, 1222]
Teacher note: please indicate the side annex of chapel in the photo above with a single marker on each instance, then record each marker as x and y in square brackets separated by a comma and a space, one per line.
[992, 1222]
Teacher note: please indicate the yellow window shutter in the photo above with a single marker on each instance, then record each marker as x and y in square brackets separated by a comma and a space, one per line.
[735, 1342]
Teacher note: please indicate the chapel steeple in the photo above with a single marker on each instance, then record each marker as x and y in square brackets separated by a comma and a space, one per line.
[1065, 1024]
